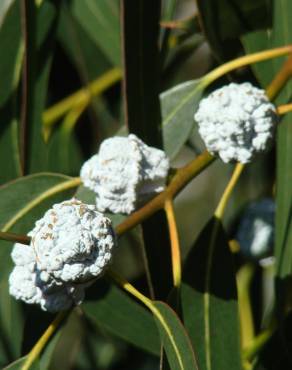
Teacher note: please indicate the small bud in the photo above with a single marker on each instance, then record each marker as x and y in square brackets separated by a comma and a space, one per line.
[255, 232]
[236, 122]
[70, 246]
[125, 174]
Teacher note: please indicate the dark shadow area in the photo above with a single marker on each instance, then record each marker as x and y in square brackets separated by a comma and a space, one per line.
[213, 262]
[98, 290]
[36, 322]
[5, 345]
[277, 353]
[157, 244]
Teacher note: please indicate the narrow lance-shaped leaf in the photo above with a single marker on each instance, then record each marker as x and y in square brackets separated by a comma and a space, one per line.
[11, 51]
[178, 106]
[209, 301]
[140, 35]
[100, 20]
[174, 337]
[280, 34]
[176, 342]
[40, 30]
[140, 26]
[86, 56]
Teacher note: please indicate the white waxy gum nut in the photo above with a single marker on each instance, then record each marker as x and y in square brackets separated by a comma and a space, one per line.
[71, 245]
[125, 173]
[236, 122]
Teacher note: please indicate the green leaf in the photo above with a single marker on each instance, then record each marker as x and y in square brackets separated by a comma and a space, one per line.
[167, 14]
[280, 34]
[243, 16]
[178, 106]
[100, 19]
[140, 24]
[10, 169]
[65, 154]
[21, 200]
[41, 32]
[175, 339]
[85, 194]
[9, 46]
[4, 8]
[47, 354]
[43, 363]
[86, 56]
[11, 318]
[112, 309]
[19, 209]
[11, 51]
[209, 301]
[17, 365]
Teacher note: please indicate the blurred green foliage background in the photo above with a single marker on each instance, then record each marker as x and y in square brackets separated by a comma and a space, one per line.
[52, 49]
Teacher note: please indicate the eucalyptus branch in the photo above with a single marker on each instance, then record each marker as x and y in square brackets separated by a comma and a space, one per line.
[182, 177]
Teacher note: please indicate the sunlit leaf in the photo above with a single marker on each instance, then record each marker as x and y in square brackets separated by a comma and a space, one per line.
[178, 106]
[100, 17]
[87, 57]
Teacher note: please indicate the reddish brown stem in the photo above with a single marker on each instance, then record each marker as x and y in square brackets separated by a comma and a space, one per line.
[16, 238]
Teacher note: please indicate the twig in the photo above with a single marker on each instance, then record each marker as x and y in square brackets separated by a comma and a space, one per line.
[182, 177]
[285, 108]
[244, 61]
[280, 79]
[16, 238]
[174, 240]
[227, 192]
